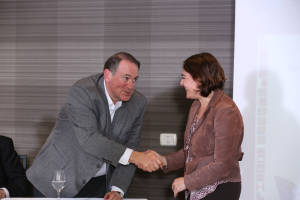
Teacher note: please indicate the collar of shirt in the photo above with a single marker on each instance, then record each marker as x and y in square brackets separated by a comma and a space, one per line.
[112, 107]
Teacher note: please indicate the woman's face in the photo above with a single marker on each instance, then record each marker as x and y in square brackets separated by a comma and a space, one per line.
[190, 86]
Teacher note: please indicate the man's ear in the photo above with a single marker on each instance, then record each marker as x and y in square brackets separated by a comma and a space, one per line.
[107, 75]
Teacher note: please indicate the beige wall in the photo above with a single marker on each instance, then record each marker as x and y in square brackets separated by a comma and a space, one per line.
[47, 45]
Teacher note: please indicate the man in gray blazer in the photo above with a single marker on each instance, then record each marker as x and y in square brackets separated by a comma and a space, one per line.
[95, 135]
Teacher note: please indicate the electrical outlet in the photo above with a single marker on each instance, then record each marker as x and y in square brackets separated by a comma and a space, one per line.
[168, 139]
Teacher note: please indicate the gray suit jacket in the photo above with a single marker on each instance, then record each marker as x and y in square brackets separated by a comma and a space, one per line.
[84, 137]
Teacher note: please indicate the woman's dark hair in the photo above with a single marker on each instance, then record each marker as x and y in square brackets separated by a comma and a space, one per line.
[113, 62]
[207, 71]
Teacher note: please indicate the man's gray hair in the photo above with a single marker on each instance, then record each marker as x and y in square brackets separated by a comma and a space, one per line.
[113, 62]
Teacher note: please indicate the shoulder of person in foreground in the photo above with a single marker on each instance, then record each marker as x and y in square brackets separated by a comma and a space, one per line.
[16, 182]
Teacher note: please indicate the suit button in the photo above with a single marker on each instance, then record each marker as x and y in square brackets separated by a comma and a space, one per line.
[98, 166]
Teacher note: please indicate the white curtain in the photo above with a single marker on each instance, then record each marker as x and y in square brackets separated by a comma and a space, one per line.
[266, 89]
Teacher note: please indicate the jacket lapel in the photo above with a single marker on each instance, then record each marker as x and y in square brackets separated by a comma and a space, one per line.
[196, 106]
[102, 96]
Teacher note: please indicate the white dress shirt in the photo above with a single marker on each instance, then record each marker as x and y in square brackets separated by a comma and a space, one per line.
[6, 192]
[124, 160]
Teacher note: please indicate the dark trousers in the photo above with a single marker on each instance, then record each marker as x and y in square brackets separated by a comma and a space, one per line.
[226, 191]
[96, 187]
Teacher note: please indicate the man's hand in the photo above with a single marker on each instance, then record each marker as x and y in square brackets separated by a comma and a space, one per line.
[2, 194]
[178, 186]
[148, 161]
[113, 195]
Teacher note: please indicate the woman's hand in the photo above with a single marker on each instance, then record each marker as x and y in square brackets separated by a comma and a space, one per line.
[178, 186]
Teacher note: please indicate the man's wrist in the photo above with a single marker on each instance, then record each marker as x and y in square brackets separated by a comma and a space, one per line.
[117, 189]
[132, 157]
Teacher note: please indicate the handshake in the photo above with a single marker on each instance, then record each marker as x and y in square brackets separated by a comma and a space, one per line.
[149, 160]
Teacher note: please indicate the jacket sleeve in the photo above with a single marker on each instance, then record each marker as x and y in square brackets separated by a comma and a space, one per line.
[228, 131]
[123, 174]
[175, 161]
[80, 111]
[17, 183]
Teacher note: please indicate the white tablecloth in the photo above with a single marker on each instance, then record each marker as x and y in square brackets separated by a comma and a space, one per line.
[64, 199]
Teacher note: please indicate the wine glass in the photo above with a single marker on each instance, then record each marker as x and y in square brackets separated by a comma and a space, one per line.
[58, 181]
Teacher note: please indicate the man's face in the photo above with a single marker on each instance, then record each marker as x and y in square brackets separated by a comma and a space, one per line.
[121, 84]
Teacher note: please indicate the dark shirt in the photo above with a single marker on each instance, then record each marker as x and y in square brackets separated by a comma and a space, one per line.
[12, 173]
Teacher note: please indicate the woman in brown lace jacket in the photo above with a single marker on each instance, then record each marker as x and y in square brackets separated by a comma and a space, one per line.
[213, 135]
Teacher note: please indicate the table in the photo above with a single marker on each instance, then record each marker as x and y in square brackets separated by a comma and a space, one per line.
[65, 199]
